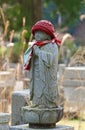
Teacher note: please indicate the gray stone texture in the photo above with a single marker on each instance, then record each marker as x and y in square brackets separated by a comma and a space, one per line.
[4, 127]
[43, 76]
[4, 121]
[42, 115]
[72, 81]
[26, 127]
[19, 99]
[4, 118]
[74, 73]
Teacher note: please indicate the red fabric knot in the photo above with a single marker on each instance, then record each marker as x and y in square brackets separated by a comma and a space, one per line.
[39, 44]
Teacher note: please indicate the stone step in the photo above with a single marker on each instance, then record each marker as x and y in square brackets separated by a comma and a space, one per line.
[26, 127]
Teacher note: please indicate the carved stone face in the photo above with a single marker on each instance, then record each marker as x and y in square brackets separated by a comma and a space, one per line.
[41, 36]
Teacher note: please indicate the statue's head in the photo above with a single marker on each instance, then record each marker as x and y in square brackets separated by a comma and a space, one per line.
[43, 30]
[41, 36]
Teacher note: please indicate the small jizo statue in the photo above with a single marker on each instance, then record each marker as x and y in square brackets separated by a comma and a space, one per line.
[42, 62]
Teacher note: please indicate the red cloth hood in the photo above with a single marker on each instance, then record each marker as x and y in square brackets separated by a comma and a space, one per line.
[47, 27]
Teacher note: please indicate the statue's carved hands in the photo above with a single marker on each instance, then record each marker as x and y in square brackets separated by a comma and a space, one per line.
[36, 50]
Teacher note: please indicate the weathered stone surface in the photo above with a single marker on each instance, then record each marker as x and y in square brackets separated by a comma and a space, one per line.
[74, 76]
[74, 73]
[73, 83]
[42, 115]
[4, 127]
[4, 118]
[43, 73]
[73, 80]
[26, 127]
[19, 99]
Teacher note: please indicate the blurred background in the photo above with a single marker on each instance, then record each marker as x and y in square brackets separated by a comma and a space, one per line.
[18, 16]
[16, 20]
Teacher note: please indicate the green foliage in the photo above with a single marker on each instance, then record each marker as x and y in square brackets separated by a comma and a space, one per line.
[15, 55]
[27, 33]
[15, 17]
[17, 9]
[67, 51]
[69, 10]
[17, 51]
[71, 46]
[14, 11]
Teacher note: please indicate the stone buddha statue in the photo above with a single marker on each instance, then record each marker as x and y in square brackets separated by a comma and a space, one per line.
[43, 72]
[43, 64]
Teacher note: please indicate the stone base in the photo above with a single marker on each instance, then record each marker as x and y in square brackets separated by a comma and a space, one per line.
[4, 127]
[26, 127]
[42, 117]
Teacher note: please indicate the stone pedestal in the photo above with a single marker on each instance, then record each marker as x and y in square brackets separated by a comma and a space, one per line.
[26, 127]
[42, 117]
[4, 121]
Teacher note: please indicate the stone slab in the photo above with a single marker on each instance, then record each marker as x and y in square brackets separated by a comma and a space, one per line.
[4, 127]
[19, 99]
[73, 83]
[4, 118]
[74, 73]
[26, 127]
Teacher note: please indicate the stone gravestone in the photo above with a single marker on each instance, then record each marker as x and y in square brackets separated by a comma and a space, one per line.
[77, 102]
[19, 99]
[42, 62]
[4, 121]
[73, 79]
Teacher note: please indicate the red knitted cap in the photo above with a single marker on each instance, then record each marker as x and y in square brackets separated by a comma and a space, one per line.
[45, 26]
